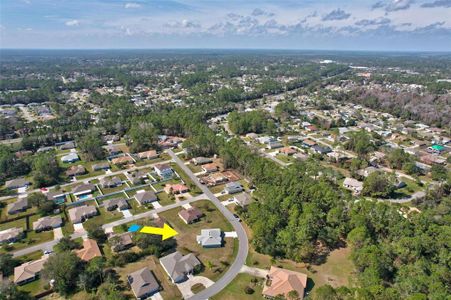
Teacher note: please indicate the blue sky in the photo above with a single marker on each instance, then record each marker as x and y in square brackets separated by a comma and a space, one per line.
[411, 25]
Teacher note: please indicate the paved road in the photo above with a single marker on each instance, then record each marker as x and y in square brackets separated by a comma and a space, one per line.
[150, 213]
[49, 245]
[243, 246]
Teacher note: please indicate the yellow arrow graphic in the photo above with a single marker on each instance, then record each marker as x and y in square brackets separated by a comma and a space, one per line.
[165, 232]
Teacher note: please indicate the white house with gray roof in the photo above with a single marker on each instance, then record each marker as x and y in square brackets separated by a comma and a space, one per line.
[210, 238]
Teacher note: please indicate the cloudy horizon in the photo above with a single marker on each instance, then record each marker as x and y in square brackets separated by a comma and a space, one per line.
[400, 25]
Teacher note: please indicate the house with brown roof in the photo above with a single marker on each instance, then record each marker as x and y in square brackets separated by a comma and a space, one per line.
[76, 171]
[47, 223]
[210, 168]
[29, 271]
[122, 160]
[151, 154]
[282, 282]
[175, 188]
[89, 251]
[143, 283]
[136, 177]
[121, 242]
[190, 215]
[288, 151]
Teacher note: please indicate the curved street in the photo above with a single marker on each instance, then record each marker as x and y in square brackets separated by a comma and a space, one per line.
[243, 246]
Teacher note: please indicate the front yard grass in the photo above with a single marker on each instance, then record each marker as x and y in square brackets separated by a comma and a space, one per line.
[235, 289]
[215, 260]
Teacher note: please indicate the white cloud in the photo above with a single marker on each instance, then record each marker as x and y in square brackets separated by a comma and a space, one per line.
[132, 5]
[72, 23]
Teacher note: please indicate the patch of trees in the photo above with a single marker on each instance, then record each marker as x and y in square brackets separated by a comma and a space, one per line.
[360, 142]
[46, 171]
[142, 136]
[254, 121]
[432, 109]
[10, 166]
[379, 185]
[91, 145]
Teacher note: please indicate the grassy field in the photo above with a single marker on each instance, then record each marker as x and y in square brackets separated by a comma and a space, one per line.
[170, 291]
[215, 260]
[235, 290]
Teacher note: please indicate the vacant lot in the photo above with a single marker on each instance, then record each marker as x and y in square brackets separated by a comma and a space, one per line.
[235, 290]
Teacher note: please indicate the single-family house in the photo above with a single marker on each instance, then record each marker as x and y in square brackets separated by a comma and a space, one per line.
[17, 183]
[70, 158]
[175, 188]
[136, 177]
[233, 187]
[68, 145]
[11, 235]
[308, 143]
[110, 182]
[113, 150]
[274, 145]
[190, 215]
[321, 149]
[47, 223]
[281, 282]
[243, 199]
[178, 267]
[201, 160]
[89, 251]
[144, 197]
[121, 242]
[81, 213]
[288, 151]
[143, 283]
[18, 206]
[122, 160]
[150, 154]
[210, 238]
[58, 197]
[83, 189]
[29, 271]
[100, 166]
[75, 171]
[117, 203]
[353, 184]
[163, 170]
[210, 168]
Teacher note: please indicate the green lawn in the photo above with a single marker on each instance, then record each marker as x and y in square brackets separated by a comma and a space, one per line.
[235, 289]
[219, 258]
[164, 199]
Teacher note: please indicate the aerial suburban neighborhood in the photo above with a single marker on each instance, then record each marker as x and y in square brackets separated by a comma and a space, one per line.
[225, 174]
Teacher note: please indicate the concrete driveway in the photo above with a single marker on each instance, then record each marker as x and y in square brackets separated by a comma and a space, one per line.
[254, 271]
[185, 287]
[78, 228]
[126, 213]
[58, 233]
[156, 296]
